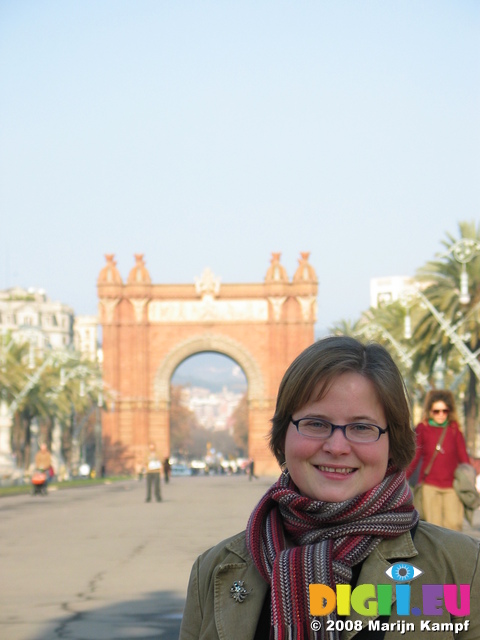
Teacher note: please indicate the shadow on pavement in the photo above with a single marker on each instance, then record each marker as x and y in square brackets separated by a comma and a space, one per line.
[156, 615]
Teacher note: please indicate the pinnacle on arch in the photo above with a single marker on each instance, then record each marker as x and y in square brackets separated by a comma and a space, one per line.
[276, 272]
[110, 274]
[305, 271]
[139, 274]
[208, 283]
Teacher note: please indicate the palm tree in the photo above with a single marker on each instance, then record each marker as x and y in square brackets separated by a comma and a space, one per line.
[442, 278]
[31, 386]
[20, 389]
[345, 328]
[73, 388]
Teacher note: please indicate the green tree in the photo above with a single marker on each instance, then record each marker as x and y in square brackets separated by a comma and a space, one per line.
[31, 385]
[182, 422]
[74, 389]
[240, 425]
[23, 391]
[345, 328]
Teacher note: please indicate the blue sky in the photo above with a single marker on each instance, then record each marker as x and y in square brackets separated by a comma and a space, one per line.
[210, 134]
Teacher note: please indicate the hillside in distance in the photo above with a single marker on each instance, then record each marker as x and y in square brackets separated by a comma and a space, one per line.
[211, 371]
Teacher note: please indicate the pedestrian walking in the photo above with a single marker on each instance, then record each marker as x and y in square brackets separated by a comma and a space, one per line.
[43, 460]
[154, 468]
[440, 449]
[166, 469]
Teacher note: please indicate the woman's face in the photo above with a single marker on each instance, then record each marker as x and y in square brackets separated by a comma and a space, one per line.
[439, 412]
[335, 469]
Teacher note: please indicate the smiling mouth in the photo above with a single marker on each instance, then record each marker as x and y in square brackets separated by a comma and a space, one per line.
[344, 471]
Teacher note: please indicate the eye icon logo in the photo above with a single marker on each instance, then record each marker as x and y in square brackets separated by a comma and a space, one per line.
[403, 572]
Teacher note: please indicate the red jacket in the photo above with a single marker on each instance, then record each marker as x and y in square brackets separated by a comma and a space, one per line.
[452, 454]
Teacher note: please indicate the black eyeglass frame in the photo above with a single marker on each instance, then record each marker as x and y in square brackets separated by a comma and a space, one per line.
[342, 427]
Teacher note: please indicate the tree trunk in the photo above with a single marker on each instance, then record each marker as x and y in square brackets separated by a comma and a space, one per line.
[471, 413]
[28, 442]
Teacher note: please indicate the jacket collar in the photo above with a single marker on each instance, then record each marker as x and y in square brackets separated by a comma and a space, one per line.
[238, 545]
[401, 547]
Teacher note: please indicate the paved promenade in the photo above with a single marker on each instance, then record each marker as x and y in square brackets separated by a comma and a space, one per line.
[98, 563]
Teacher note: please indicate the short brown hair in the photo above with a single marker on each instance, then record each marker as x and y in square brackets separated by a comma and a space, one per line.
[440, 395]
[323, 362]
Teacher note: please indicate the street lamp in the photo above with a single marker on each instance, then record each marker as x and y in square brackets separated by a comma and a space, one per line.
[463, 251]
[407, 332]
[439, 373]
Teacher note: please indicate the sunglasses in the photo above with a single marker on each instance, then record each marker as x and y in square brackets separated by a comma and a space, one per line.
[435, 411]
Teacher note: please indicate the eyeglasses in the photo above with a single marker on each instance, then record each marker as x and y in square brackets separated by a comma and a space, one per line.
[435, 411]
[358, 432]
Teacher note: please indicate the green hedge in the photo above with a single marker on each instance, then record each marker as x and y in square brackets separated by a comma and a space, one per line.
[67, 484]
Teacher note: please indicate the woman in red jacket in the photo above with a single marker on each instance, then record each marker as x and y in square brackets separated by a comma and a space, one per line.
[440, 502]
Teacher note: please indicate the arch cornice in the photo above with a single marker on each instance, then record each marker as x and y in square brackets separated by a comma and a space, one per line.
[209, 342]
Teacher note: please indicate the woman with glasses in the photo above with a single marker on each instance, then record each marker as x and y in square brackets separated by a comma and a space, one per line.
[439, 439]
[341, 513]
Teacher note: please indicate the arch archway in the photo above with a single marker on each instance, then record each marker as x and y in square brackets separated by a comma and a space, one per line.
[216, 343]
[209, 342]
[148, 330]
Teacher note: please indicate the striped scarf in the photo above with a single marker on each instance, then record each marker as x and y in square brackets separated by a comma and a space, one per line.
[326, 540]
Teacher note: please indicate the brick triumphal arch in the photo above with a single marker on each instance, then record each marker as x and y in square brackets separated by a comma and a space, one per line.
[150, 329]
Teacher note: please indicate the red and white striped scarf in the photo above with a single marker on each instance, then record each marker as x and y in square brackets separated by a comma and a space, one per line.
[325, 540]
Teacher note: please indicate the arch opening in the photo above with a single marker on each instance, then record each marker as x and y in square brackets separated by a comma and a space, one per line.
[209, 414]
[209, 343]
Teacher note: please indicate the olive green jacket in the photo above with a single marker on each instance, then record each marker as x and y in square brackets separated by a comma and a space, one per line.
[445, 557]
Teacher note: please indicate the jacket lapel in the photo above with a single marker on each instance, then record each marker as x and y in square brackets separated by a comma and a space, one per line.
[236, 619]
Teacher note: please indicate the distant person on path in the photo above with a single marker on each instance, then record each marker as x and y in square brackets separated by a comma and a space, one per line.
[154, 468]
[341, 513]
[166, 469]
[439, 435]
[251, 469]
[43, 461]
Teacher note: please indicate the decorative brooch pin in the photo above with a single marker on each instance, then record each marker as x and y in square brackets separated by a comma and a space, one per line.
[238, 591]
